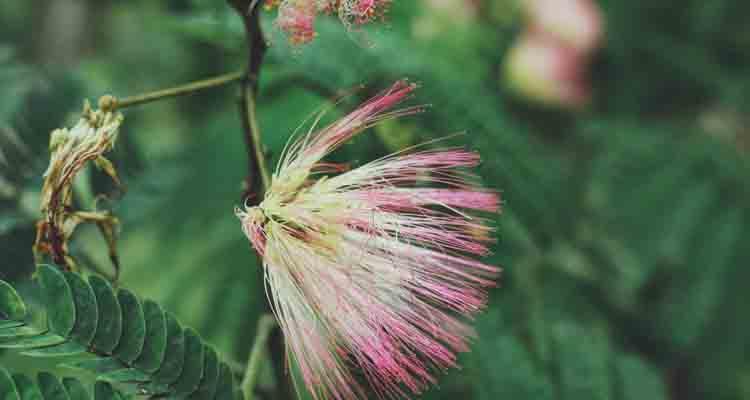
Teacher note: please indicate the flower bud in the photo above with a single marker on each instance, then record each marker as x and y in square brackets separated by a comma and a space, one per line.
[57, 138]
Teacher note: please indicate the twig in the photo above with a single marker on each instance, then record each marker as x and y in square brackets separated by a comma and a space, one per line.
[266, 325]
[172, 92]
[255, 139]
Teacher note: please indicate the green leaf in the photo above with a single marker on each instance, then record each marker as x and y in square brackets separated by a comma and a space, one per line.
[109, 329]
[685, 318]
[104, 391]
[133, 328]
[26, 388]
[174, 360]
[155, 345]
[58, 299]
[153, 351]
[505, 370]
[129, 375]
[636, 380]
[75, 389]
[208, 385]
[62, 350]
[18, 332]
[10, 324]
[87, 311]
[34, 342]
[51, 387]
[224, 389]
[8, 389]
[11, 305]
[583, 362]
[98, 366]
[194, 362]
[48, 387]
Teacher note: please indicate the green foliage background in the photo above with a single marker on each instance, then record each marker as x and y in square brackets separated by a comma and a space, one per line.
[624, 236]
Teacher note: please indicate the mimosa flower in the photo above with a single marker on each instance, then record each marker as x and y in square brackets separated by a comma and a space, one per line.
[372, 270]
[296, 18]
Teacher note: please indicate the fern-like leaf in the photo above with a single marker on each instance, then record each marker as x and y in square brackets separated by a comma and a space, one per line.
[128, 341]
[50, 387]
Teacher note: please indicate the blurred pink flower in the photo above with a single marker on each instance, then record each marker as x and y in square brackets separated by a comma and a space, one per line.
[373, 270]
[577, 23]
[296, 17]
[542, 70]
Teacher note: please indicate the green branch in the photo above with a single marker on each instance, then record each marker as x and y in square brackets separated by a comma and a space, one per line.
[266, 325]
[109, 102]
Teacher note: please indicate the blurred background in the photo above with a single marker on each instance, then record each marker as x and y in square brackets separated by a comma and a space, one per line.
[617, 132]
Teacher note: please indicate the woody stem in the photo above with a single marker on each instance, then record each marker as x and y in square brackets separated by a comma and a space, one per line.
[258, 178]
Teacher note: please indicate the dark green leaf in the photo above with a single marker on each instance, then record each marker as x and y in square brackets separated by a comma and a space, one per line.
[75, 389]
[87, 311]
[192, 373]
[133, 328]
[174, 360]
[207, 388]
[225, 386]
[8, 389]
[58, 298]
[109, 329]
[27, 388]
[10, 324]
[98, 366]
[155, 346]
[129, 375]
[11, 305]
[103, 391]
[51, 387]
[636, 380]
[519, 379]
[583, 357]
[19, 332]
[61, 350]
[33, 342]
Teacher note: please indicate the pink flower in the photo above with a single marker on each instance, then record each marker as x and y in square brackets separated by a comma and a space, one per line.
[541, 70]
[577, 23]
[373, 270]
[296, 17]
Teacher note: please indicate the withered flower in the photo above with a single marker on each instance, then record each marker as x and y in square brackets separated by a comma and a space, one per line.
[71, 149]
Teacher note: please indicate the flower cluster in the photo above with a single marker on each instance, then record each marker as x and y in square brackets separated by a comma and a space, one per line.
[296, 18]
[373, 269]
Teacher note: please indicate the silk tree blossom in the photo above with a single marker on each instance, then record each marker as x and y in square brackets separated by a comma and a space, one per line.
[296, 18]
[372, 270]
